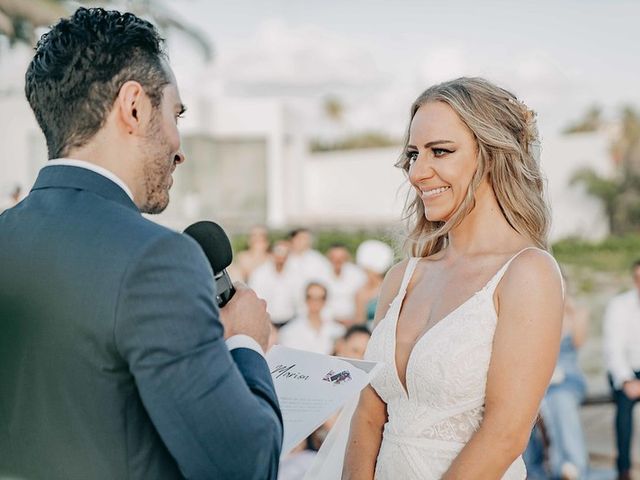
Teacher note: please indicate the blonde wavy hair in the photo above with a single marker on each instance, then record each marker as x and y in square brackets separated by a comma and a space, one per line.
[508, 154]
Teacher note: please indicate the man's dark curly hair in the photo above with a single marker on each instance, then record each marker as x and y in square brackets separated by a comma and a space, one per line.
[79, 68]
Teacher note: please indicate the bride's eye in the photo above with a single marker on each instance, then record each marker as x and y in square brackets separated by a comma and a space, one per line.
[440, 152]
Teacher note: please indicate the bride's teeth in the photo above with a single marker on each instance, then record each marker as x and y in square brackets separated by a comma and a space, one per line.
[435, 191]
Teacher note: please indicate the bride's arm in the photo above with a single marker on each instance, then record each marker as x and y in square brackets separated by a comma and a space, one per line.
[370, 416]
[525, 350]
[365, 436]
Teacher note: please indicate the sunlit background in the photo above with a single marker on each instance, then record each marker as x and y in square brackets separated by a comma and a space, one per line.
[297, 110]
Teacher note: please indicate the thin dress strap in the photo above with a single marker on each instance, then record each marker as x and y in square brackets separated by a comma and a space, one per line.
[500, 273]
[408, 273]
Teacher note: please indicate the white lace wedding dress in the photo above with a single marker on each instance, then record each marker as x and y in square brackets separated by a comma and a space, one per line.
[443, 404]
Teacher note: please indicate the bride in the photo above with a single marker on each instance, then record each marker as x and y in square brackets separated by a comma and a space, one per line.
[469, 327]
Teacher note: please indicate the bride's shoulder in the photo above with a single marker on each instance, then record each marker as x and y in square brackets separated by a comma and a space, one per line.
[534, 258]
[532, 268]
[394, 276]
[393, 280]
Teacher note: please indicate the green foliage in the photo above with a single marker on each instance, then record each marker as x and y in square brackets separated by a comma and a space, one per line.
[605, 189]
[325, 238]
[351, 142]
[20, 19]
[620, 194]
[614, 254]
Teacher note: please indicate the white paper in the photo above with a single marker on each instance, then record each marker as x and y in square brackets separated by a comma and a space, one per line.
[311, 387]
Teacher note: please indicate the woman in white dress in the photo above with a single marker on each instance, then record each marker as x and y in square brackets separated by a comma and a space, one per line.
[468, 327]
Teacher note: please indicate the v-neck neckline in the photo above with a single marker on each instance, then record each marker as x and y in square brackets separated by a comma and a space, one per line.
[403, 292]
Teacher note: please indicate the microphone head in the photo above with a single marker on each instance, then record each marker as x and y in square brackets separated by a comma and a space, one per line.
[214, 243]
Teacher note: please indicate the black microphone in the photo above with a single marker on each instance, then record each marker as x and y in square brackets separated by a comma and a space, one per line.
[217, 248]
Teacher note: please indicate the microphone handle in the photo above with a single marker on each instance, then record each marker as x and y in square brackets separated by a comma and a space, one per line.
[224, 287]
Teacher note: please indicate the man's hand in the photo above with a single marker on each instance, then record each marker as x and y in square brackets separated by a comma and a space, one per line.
[246, 314]
[631, 389]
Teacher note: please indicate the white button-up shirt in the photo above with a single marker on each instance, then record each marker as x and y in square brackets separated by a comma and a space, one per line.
[277, 289]
[300, 334]
[343, 289]
[621, 334]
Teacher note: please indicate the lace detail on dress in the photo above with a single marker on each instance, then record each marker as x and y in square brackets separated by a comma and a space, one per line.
[446, 378]
[456, 427]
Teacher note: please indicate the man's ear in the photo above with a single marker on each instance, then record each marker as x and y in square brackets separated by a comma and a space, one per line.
[130, 106]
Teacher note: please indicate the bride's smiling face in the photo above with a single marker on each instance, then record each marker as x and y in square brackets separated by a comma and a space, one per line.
[443, 157]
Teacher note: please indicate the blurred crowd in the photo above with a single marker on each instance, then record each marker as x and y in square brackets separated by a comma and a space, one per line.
[326, 303]
[313, 299]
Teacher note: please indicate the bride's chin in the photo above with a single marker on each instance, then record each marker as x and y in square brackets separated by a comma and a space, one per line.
[434, 217]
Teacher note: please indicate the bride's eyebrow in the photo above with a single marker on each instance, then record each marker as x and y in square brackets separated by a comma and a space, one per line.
[436, 142]
[431, 144]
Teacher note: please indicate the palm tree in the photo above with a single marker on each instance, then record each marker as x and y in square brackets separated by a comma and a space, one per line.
[620, 195]
[167, 20]
[20, 19]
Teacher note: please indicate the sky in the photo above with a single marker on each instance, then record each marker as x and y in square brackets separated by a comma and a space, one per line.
[559, 57]
[376, 56]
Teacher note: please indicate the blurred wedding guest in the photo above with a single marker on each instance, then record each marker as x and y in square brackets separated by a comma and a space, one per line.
[307, 264]
[560, 409]
[12, 200]
[256, 254]
[273, 282]
[16, 194]
[313, 331]
[375, 257]
[621, 336]
[344, 282]
[353, 343]
[535, 455]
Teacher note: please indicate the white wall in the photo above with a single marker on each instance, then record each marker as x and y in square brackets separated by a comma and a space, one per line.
[360, 187]
[24, 149]
[354, 187]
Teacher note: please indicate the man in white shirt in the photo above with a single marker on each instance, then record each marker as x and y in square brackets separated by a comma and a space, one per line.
[314, 331]
[622, 353]
[272, 281]
[306, 264]
[345, 280]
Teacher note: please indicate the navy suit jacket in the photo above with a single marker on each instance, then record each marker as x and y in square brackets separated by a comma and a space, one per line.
[113, 363]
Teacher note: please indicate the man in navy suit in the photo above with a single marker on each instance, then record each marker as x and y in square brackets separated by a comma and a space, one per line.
[115, 361]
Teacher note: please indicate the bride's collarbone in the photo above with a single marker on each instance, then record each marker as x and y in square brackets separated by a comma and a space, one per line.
[437, 291]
